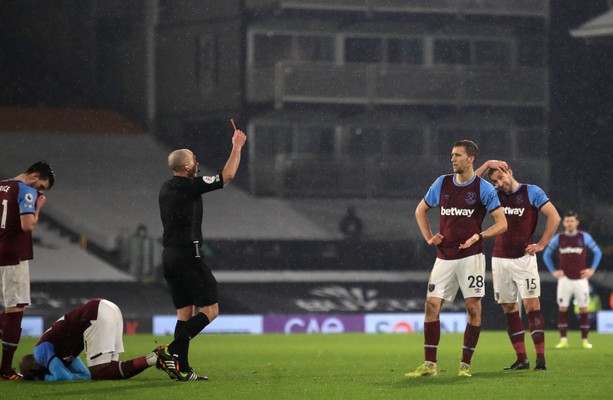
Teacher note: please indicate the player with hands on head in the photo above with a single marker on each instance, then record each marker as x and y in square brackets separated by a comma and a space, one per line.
[514, 265]
[463, 199]
[573, 274]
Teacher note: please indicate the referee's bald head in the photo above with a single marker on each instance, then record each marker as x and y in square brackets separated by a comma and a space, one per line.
[178, 158]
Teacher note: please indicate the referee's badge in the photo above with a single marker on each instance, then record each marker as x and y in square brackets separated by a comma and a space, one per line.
[431, 287]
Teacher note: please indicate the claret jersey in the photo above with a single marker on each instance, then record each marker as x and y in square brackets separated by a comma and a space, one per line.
[16, 199]
[66, 333]
[572, 255]
[521, 209]
[462, 210]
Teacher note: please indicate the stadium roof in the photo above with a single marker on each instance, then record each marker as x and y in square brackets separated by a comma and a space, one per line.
[597, 27]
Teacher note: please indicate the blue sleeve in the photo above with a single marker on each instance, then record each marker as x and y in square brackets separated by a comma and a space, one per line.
[58, 371]
[547, 254]
[433, 196]
[590, 243]
[43, 353]
[489, 195]
[79, 370]
[27, 199]
[537, 196]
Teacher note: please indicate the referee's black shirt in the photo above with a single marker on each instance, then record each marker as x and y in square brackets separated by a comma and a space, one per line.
[181, 208]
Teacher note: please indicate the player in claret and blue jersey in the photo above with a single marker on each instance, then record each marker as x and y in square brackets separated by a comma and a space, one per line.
[464, 199]
[573, 274]
[514, 267]
[95, 327]
[21, 199]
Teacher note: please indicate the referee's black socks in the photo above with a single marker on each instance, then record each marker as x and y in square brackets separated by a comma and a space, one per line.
[191, 328]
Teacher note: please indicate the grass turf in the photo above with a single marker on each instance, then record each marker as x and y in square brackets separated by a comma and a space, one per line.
[346, 366]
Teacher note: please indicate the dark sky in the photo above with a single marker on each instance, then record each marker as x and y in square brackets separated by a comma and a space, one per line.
[581, 118]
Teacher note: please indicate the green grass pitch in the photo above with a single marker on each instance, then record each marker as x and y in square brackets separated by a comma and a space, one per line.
[346, 366]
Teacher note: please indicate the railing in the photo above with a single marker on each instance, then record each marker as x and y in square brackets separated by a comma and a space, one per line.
[377, 84]
[531, 8]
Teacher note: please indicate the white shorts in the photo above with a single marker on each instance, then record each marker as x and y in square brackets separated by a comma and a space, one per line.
[15, 281]
[515, 278]
[104, 338]
[577, 288]
[467, 274]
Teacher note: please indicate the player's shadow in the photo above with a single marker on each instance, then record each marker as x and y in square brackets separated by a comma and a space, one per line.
[446, 378]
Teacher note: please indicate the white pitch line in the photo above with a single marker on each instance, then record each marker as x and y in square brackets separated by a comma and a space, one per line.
[318, 276]
[340, 276]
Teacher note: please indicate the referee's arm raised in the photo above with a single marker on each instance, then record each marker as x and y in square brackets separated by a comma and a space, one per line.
[229, 170]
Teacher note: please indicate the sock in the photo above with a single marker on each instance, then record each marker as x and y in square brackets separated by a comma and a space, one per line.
[562, 324]
[180, 345]
[536, 323]
[178, 326]
[184, 362]
[515, 329]
[432, 336]
[122, 369]
[471, 337]
[10, 339]
[152, 359]
[584, 320]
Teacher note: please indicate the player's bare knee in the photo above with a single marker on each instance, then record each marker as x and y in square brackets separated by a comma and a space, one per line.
[473, 309]
[510, 308]
[433, 308]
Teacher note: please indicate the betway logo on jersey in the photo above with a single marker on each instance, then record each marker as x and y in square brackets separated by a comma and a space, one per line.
[571, 250]
[514, 211]
[463, 212]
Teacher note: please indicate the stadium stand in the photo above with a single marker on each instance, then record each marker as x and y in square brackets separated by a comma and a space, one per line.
[58, 259]
[109, 181]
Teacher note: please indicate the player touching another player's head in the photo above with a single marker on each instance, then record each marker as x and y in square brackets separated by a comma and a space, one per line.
[502, 178]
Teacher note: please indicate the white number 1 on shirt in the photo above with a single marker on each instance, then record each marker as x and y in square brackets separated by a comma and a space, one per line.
[4, 211]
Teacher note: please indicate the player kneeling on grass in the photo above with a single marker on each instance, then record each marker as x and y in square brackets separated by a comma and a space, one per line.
[97, 328]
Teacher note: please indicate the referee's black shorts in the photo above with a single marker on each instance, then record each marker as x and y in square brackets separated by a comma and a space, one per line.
[190, 281]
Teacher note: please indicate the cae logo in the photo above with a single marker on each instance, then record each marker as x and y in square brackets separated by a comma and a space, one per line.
[302, 325]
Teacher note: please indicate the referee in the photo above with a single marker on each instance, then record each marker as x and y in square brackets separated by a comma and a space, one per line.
[193, 287]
